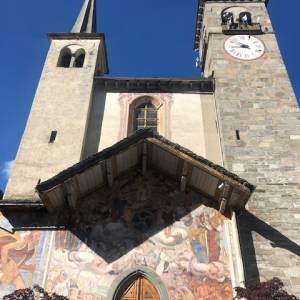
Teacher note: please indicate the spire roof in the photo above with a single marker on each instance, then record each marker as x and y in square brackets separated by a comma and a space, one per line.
[86, 21]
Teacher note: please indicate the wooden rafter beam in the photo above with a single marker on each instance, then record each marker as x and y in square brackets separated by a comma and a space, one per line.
[184, 180]
[222, 177]
[110, 172]
[226, 190]
[71, 187]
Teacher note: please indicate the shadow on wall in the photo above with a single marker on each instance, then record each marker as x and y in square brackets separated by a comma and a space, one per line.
[142, 221]
[249, 224]
[115, 221]
[95, 124]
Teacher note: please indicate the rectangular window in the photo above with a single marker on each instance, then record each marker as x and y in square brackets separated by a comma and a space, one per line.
[52, 136]
[146, 117]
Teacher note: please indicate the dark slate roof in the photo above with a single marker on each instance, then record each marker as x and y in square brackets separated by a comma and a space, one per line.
[200, 11]
[124, 144]
[151, 85]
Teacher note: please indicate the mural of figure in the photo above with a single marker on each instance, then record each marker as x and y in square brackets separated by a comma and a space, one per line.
[74, 292]
[66, 240]
[62, 284]
[15, 253]
[181, 294]
[146, 223]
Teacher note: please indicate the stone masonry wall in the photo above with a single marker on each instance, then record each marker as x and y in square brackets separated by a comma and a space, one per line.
[257, 99]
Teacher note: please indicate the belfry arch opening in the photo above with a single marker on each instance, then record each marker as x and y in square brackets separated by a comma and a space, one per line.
[72, 56]
[65, 58]
[245, 18]
[79, 58]
[236, 15]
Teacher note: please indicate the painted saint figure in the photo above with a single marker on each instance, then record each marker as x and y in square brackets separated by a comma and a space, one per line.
[15, 252]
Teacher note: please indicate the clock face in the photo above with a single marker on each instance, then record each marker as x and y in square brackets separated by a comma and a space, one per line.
[244, 47]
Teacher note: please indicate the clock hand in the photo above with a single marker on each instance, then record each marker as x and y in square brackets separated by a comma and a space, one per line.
[243, 45]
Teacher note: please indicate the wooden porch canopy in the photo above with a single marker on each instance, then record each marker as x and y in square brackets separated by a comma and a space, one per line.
[143, 151]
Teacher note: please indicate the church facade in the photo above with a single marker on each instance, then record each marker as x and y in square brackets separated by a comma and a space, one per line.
[165, 188]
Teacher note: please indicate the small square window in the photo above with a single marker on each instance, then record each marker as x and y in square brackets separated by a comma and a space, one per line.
[52, 136]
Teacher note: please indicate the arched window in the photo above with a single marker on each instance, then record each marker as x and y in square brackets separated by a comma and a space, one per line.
[245, 18]
[79, 58]
[146, 117]
[65, 58]
[145, 111]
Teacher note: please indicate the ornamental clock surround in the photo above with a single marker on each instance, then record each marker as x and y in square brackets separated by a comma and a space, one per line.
[244, 47]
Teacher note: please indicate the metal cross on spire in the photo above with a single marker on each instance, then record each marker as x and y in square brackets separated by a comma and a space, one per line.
[86, 21]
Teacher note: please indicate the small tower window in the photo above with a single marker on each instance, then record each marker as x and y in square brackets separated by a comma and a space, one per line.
[65, 59]
[245, 18]
[79, 59]
[52, 136]
[146, 117]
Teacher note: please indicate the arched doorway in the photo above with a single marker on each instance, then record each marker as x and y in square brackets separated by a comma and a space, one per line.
[138, 288]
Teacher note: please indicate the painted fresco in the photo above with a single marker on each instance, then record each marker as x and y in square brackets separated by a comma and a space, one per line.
[22, 258]
[143, 221]
[147, 222]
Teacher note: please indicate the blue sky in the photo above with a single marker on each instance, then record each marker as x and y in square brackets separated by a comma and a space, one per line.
[145, 38]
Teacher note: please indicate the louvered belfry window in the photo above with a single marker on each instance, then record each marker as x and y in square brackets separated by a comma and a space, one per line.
[146, 117]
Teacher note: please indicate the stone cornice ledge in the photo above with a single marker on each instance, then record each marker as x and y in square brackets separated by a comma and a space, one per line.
[162, 85]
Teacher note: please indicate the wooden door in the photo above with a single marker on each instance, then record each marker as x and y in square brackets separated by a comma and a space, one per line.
[139, 289]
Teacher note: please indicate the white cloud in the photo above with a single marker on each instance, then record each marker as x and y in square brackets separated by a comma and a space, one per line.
[7, 167]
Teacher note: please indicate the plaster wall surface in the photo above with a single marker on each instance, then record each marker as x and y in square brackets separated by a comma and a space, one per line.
[256, 98]
[187, 119]
[187, 122]
[110, 130]
[61, 103]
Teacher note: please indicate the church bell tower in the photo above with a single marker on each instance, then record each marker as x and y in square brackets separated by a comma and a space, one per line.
[54, 137]
[258, 121]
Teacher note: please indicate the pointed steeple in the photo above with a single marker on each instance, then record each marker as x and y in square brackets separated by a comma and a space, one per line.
[86, 21]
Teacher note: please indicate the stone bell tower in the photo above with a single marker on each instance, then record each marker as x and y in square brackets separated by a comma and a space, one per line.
[259, 125]
[55, 132]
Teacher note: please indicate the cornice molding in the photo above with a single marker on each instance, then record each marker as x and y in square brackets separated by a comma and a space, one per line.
[75, 36]
[155, 85]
